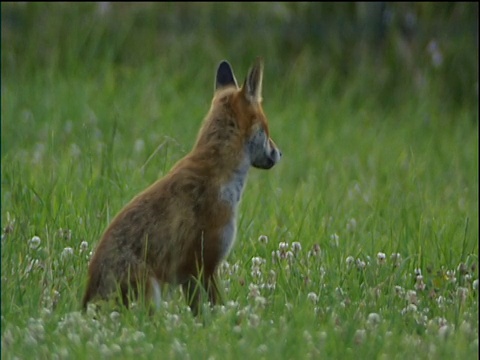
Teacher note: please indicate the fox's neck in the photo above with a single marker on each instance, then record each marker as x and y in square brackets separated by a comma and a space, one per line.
[225, 167]
[231, 191]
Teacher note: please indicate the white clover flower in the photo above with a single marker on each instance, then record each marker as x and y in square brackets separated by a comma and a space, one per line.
[360, 336]
[475, 284]
[263, 239]
[315, 252]
[312, 297]
[256, 273]
[451, 276]
[253, 320]
[443, 331]
[106, 352]
[373, 319]
[257, 261]
[411, 296]
[114, 315]
[138, 336]
[462, 269]
[334, 238]
[462, 293]
[116, 349]
[254, 291]
[381, 258]
[296, 247]
[396, 259]
[350, 260]
[83, 246]
[419, 284]
[260, 301]
[35, 242]
[411, 308]
[400, 291]
[139, 146]
[67, 252]
[361, 264]
[351, 225]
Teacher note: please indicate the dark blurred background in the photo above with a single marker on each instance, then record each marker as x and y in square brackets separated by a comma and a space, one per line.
[387, 51]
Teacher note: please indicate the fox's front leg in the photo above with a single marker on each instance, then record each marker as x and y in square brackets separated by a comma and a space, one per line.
[195, 292]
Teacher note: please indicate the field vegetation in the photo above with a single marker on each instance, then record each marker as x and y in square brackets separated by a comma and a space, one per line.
[361, 243]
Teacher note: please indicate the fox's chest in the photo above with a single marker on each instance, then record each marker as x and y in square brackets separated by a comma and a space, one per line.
[231, 193]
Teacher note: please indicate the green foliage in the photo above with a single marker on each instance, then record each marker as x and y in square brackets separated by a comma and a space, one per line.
[380, 144]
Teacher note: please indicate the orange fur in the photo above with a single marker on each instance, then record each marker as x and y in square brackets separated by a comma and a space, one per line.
[180, 228]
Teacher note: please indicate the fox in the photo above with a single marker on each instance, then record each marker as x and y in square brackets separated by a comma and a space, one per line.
[179, 229]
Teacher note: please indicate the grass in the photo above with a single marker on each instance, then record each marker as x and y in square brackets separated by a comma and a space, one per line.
[314, 272]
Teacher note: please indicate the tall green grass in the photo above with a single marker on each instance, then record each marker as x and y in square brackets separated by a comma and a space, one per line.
[367, 173]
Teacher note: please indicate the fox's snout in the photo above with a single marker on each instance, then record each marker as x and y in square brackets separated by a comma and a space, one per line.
[273, 155]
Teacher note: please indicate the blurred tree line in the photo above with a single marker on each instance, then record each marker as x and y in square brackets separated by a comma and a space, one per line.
[389, 50]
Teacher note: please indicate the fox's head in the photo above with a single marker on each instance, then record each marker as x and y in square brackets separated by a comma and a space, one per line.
[246, 121]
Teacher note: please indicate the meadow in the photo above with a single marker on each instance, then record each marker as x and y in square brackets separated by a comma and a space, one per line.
[361, 243]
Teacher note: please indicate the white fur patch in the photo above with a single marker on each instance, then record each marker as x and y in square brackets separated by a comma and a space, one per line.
[157, 293]
[231, 193]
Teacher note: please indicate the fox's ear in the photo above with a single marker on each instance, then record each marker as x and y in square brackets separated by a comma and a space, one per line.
[225, 76]
[252, 87]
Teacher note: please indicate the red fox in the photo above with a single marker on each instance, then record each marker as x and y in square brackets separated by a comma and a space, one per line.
[179, 229]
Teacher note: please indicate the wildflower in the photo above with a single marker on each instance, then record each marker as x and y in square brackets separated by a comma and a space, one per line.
[443, 331]
[35, 242]
[254, 291]
[475, 284]
[282, 251]
[420, 285]
[312, 297]
[254, 320]
[381, 258]
[296, 247]
[361, 264]
[360, 336]
[450, 274]
[462, 293]
[260, 301]
[373, 319]
[351, 225]
[417, 271]
[114, 315]
[83, 246]
[396, 259]
[334, 238]
[139, 146]
[411, 297]
[263, 239]
[435, 53]
[257, 261]
[138, 336]
[349, 260]
[399, 290]
[283, 246]
[315, 252]
[462, 269]
[411, 308]
[68, 251]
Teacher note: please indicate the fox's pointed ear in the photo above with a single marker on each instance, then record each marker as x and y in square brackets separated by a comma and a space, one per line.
[225, 76]
[252, 87]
